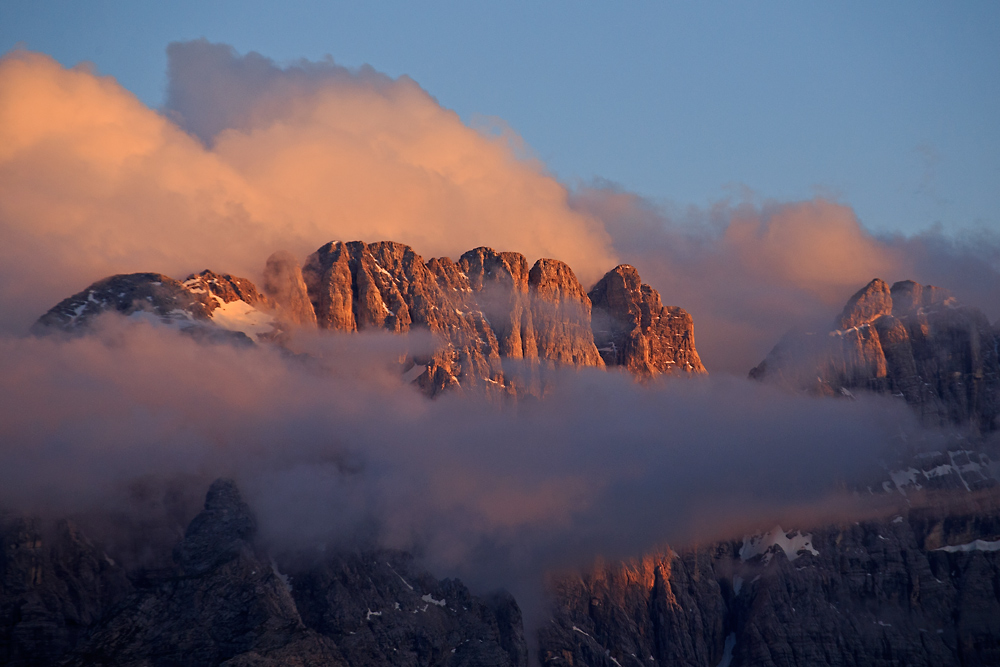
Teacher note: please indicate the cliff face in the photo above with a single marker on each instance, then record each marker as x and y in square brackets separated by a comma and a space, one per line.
[920, 588]
[911, 341]
[633, 329]
[223, 601]
[498, 322]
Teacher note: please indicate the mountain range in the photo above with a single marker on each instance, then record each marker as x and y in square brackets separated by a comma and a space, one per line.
[916, 583]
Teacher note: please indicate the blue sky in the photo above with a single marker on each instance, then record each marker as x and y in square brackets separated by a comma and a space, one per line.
[891, 108]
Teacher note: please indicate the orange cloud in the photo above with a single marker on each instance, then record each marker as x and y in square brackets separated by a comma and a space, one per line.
[92, 182]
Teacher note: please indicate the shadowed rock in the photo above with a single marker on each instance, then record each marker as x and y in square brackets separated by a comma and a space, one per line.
[911, 341]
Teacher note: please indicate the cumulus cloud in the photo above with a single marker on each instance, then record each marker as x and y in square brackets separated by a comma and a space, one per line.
[748, 273]
[249, 158]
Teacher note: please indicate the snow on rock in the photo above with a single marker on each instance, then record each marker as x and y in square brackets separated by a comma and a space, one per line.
[241, 316]
[793, 544]
[727, 650]
[430, 598]
[978, 545]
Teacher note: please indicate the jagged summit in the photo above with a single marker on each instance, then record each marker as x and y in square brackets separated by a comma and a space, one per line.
[909, 340]
[632, 328]
[488, 309]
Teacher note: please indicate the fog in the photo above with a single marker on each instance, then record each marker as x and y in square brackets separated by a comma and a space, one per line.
[748, 271]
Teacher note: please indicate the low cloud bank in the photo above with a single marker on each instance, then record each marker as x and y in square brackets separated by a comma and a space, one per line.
[335, 449]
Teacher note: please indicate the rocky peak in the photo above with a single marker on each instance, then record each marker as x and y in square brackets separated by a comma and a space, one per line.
[868, 304]
[128, 294]
[220, 532]
[913, 342]
[500, 283]
[633, 329]
[283, 283]
[227, 288]
[208, 306]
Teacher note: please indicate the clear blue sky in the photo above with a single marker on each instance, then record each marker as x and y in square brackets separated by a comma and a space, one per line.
[891, 107]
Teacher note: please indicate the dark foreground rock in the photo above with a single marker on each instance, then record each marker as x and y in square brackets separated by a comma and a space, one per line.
[918, 588]
[224, 602]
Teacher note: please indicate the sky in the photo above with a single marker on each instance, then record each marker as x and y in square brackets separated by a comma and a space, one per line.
[888, 108]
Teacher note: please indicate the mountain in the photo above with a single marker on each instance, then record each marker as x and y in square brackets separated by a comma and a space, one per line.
[910, 341]
[222, 600]
[918, 588]
[499, 323]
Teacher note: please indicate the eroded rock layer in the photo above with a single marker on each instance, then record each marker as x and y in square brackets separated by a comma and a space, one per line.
[911, 341]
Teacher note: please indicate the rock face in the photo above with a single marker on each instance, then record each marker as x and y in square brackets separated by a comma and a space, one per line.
[224, 602]
[499, 323]
[486, 307]
[54, 584]
[206, 305]
[911, 341]
[632, 328]
[921, 588]
[380, 610]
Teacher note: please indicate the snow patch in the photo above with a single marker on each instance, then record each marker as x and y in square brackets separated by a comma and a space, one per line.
[241, 316]
[978, 545]
[727, 650]
[793, 544]
[430, 598]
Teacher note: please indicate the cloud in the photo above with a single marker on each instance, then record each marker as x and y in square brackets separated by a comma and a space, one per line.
[250, 158]
[136, 420]
[748, 273]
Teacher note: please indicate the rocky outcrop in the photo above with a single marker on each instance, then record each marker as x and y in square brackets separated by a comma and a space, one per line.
[633, 329]
[914, 342]
[498, 323]
[54, 585]
[207, 306]
[918, 588]
[224, 601]
[486, 307]
[221, 602]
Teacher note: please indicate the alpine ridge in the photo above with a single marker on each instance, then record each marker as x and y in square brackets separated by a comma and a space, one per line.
[499, 322]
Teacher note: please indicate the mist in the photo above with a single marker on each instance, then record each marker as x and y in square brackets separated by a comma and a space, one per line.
[333, 449]
[749, 271]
